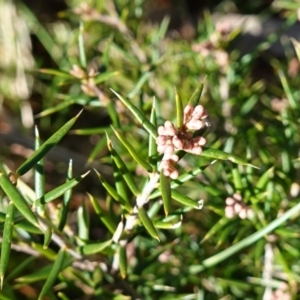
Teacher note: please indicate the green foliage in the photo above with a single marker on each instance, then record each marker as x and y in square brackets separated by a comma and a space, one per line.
[225, 227]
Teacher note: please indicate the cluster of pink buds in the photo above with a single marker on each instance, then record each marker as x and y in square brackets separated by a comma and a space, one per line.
[171, 139]
[236, 206]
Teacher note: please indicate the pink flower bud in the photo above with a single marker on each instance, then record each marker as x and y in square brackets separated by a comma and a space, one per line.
[169, 149]
[194, 124]
[161, 148]
[167, 172]
[229, 212]
[170, 158]
[161, 140]
[237, 207]
[187, 113]
[196, 149]
[169, 128]
[198, 112]
[174, 174]
[177, 142]
[199, 140]
[174, 158]
[229, 201]
[243, 213]
[237, 197]
[161, 130]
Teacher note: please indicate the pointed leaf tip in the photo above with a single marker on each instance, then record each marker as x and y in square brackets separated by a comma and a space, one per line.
[132, 151]
[221, 155]
[46, 146]
[147, 222]
[80, 112]
[18, 200]
[138, 114]
[195, 98]
[85, 174]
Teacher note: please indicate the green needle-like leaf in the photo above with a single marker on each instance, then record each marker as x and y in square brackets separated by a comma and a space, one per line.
[57, 73]
[141, 81]
[47, 237]
[120, 184]
[39, 174]
[284, 264]
[135, 155]
[113, 114]
[2, 169]
[82, 56]
[46, 147]
[162, 31]
[14, 195]
[179, 110]
[20, 268]
[123, 261]
[165, 187]
[6, 242]
[105, 217]
[43, 273]
[27, 226]
[186, 201]
[91, 131]
[97, 149]
[123, 169]
[66, 200]
[237, 179]
[83, 223]
[21, 222]
[105, 76]
[39, 181]
[147, 222]
[62, 296]
[172, 222]
[114, 193]
[216, 228]
[57, 267]
[56, 108]
[218, 154]
[94, 248]
[154, 209]
[287, 90]
[195, 98]
[152, 150]
[60, 190]
[139, 115]
[265, 179]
